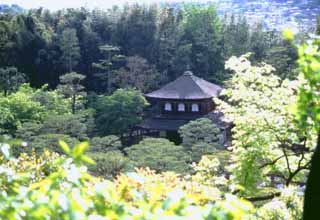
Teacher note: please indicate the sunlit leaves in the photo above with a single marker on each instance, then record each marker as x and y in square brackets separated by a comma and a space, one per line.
[69, 192]
[77, 153]
[288, 34]
[262, 108]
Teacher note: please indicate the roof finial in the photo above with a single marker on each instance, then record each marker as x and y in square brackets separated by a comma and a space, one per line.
[188, 71]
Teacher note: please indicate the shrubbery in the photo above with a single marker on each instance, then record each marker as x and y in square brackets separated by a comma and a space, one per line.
[160, 155]
[69, 192]
[109, 164]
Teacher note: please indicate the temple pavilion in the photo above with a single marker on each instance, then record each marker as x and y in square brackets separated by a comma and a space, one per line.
[177, 103]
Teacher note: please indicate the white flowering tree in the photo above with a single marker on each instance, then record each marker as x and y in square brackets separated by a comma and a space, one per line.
[269, 148]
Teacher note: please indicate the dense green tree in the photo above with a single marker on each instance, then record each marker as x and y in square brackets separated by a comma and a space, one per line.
[202, 32]
[29, 36]
[236, 35]
[284, 58]
[5, 41]
[118, 113]
[105, 144]
[43, 44]
[18, 108]
[10, 79]
[318, 26]
[52, 100]
[109, 164]
[137, 74]
[136, 30]
[69, 124]
[170, 31]
[49, 141]
[268, 146]
[71, 128]
[71, 87]
[111, 55]
[308, 111]
[160, 155]
[69, 45]
[200, 137]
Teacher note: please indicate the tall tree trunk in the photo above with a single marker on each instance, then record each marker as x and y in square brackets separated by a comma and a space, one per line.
[312, 194]
[70, 65]
[73, 104]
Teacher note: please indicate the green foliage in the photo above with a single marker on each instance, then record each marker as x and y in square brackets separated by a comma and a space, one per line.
[197, 131]
[200, 137]
[105, 144]
[160, 155]
[267, 142]
[53, 101]
[68, 127]
[70, 192]
[202, 148]
[111, 56]
[308, 103]
[10, 79]
[50, 141]
[69, 45]
[308, 113]
[5, 43]
[236, 36]
[288, 206]
[118, 113]
[45, 44]
[109, 164]
[71, 88]
[18, 108]
[137, 74]
[203, 32]
[284, 58]
[39, 166]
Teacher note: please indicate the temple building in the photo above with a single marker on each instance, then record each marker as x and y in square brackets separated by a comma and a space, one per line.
[177, 103]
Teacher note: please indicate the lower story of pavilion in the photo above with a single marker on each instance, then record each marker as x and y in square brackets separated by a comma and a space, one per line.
[164, 127]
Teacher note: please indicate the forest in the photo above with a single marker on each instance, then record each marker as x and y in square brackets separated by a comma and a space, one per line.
[72, 85]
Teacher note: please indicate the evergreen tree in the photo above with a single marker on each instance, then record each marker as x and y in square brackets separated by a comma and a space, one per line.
[5, 42]
[137, 74]
[71, 87]
[203, 33]
[170, 31]
[69, 45]
[10, 79]
[160, 155]
[236, 36]
[111, 55]
[284, 58]
[318, 26]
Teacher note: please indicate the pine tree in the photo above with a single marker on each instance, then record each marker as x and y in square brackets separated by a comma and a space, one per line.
[111, 55]
[71, 87]
[69, 45]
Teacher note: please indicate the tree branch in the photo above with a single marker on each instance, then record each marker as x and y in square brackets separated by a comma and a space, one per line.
[263, 198]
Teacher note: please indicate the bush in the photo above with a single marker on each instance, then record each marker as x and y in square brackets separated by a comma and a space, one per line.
[160, 155]
[200, 137]
[109, 164]
[105, 144]
[200, 149]
[71, 193]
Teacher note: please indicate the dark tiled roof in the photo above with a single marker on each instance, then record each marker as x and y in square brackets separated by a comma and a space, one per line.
[187, 86]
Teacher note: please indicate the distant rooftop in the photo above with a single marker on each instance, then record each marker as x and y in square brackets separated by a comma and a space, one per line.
[187, 87]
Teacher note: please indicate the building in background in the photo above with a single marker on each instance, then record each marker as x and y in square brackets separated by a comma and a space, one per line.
[177, 103]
